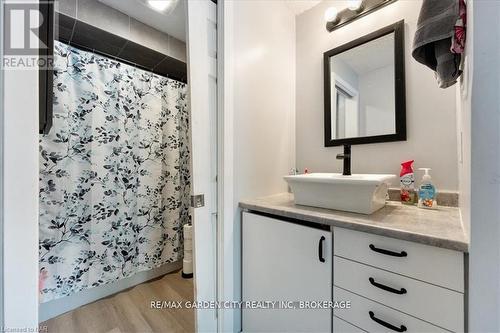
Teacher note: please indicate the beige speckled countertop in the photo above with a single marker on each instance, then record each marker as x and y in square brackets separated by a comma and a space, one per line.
[440, 228]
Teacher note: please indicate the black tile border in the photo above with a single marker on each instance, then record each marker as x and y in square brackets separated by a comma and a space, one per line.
[46, 75]
[165, 66]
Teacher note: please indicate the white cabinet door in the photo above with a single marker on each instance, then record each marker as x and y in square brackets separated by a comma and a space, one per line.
[283, 261]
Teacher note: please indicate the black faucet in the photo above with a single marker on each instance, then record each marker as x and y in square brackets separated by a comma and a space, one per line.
[346, 156]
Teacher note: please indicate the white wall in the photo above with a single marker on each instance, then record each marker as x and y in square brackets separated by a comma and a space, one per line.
[484, 274]
[377, 114]
[262, 66]
[20, 215]
[264, 84]
[431, 119]
[20, 197]
[345, 72]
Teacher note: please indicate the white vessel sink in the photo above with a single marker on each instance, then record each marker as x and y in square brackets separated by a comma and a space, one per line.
[362, 193]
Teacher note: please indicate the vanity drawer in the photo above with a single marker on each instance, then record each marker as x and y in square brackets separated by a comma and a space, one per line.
[427, 263]
[362, 310]
[437, 305]
[342, 326]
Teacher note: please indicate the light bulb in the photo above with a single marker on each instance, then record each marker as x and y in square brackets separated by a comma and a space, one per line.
[354, 4]
[331, 14]
[161, 5]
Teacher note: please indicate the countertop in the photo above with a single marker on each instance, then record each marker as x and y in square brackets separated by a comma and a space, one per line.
[441, 228]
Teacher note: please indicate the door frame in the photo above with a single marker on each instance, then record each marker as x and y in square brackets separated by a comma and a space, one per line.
[202, 74]
[228, 258]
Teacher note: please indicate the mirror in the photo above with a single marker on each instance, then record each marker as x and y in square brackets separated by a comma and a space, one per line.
[365, 89]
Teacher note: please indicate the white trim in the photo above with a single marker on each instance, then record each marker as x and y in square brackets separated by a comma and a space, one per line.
[1, 164]
[225, 133]
[345, 86]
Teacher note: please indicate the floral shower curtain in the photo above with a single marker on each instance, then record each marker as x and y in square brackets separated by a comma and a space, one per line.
[114, 173]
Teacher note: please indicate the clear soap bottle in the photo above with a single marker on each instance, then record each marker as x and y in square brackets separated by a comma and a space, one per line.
[427, 193]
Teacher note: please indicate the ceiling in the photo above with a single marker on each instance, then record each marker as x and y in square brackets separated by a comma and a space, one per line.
[173, 23]
[300, 6]
[370, 56]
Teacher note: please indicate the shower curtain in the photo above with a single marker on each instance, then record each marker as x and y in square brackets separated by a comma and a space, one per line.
[114, 173]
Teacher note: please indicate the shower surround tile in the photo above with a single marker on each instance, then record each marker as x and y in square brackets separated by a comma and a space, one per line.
[149, 36]
[66, 7]
[103, 17]
[85, 35]
[177, 48]
[96, 14]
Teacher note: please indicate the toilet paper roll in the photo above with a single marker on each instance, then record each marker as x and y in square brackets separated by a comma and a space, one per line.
[187, 262]
[187, 266]
[188, 231]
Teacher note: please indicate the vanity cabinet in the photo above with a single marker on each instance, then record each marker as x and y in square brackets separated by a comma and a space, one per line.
[396, 285]
[392, 285]
[289, 262]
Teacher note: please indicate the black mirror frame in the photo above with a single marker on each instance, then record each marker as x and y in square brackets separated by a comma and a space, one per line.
[399, 85]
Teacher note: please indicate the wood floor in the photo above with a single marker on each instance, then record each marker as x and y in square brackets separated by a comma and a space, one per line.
[130, 311]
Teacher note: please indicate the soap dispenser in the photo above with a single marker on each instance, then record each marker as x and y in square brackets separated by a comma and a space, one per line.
[427, 191]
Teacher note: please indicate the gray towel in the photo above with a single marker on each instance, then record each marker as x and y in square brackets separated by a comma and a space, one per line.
[431, 46]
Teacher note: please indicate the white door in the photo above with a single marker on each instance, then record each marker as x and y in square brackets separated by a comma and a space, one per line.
[202, 82]
[284, 261]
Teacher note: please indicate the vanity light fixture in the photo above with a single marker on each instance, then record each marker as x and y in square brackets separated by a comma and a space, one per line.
[331, 14]
[355, 9]
[355, 5]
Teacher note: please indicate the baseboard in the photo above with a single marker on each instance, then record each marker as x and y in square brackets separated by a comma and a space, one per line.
[59, 306]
